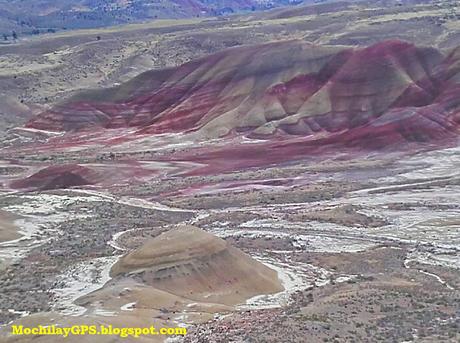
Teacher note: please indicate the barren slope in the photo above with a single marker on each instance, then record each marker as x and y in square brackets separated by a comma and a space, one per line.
[194, 264]
[330, 94]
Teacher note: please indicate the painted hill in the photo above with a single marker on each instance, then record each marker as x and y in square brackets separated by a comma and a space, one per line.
[194, 264]
[391, 90]
[58, 176]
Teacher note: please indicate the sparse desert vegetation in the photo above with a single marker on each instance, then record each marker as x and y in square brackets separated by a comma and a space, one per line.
[289, 175]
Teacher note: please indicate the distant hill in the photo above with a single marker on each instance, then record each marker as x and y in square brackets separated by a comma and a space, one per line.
[43, 16]
[390, 92]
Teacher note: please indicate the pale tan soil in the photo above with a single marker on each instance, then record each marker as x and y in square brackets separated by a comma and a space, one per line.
[148, 301]
[8, 230]
[374, 261]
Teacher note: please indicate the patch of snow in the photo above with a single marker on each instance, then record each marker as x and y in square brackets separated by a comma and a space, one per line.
[293, 276]
[128, 307]
[79, 280]
[21, 313]
[104, 313]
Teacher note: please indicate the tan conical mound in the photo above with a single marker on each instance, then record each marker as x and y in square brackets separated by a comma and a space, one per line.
[194, 264]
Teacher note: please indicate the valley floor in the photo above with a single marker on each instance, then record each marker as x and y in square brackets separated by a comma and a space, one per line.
[366, 249]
